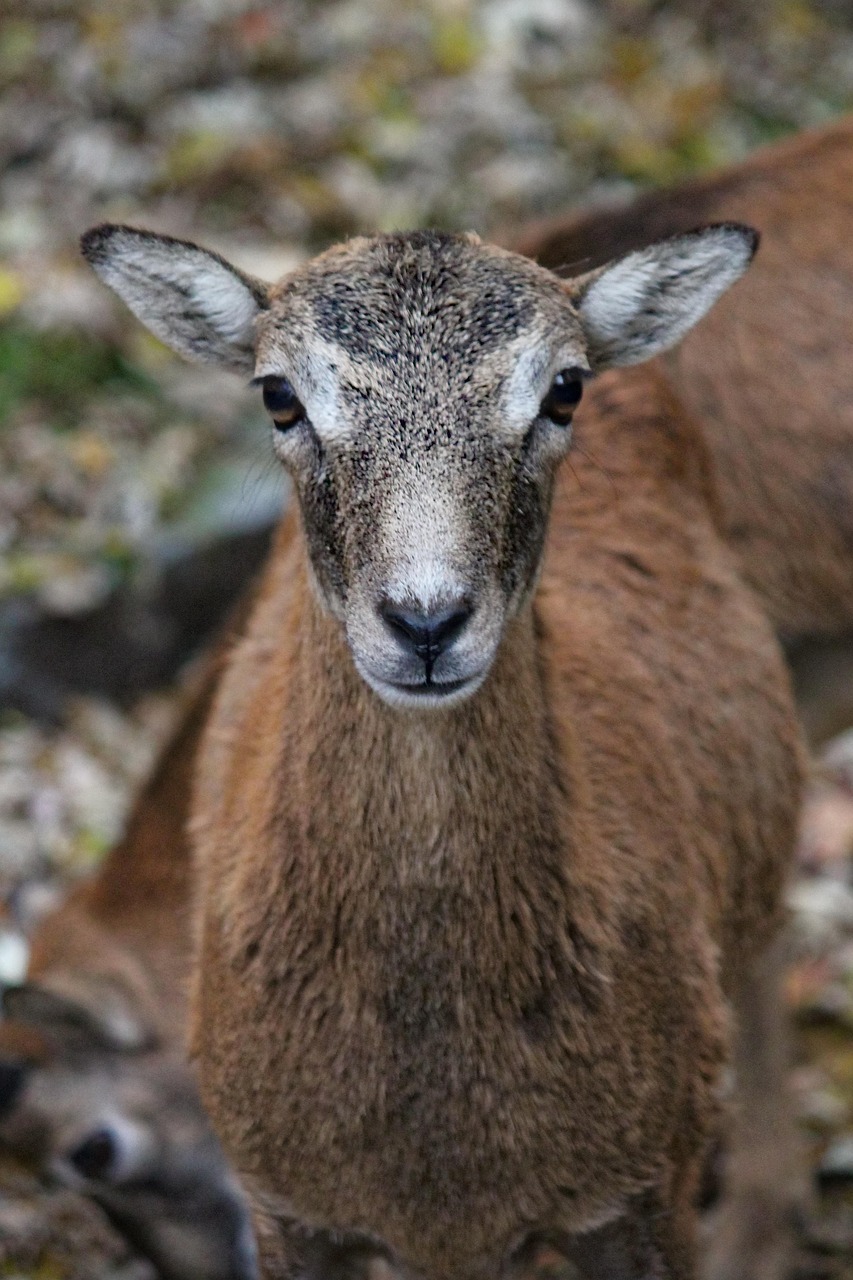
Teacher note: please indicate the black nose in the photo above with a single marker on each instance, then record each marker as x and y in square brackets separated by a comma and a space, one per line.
[96, 1155]
[426, 634]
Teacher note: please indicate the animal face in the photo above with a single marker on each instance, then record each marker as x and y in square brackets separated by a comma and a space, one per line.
[421, 388]
[422, 457]
[125, 1128]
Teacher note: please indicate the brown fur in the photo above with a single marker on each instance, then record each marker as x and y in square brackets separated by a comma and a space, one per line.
[463, 977]
[768, 373]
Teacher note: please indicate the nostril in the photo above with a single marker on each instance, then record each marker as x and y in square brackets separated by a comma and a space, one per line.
[428, 634]
[408, 625]
[445, 627]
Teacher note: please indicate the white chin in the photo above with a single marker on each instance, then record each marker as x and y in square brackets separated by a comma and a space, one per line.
[423, 696]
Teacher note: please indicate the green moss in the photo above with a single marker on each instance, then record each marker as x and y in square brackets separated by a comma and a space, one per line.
[455, 43]
[60, 370]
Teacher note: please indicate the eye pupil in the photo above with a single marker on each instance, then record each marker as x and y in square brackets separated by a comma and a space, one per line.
[282, 402]
[564, 396]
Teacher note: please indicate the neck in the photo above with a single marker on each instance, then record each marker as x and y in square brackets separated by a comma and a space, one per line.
[445, 827]
[409, 780]
[435, 820]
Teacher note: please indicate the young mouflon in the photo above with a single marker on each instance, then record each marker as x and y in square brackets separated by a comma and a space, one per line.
[498, 792]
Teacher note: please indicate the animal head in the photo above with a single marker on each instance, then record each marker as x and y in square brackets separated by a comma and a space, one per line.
[106, 1113]
[422, 389]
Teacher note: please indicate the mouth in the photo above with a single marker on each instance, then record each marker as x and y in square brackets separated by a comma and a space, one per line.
[425, 693]
[431, 688]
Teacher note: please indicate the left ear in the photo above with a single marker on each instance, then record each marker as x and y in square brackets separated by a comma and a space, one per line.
[644, 303]
[190, 298]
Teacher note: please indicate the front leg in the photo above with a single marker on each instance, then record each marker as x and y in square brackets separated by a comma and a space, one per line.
[288, 1250]
[751, 1234]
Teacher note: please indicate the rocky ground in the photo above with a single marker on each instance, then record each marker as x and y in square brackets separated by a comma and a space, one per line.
[134, 490]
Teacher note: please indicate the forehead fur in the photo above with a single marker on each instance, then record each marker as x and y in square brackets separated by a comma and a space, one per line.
[421, 294]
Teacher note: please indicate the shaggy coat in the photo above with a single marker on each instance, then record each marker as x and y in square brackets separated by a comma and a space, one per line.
[497, 795]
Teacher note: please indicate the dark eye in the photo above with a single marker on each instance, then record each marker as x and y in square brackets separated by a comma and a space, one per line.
[96, 1155]
[564, 396]
[282, 402]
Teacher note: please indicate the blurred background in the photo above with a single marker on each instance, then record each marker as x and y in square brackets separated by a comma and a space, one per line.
[136, 492]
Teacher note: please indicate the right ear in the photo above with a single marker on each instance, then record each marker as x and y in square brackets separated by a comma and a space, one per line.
[642, 304]
[190, 298]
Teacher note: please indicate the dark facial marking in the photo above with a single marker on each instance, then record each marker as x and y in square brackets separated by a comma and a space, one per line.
[525, 531]
[322, 523]
[417, 282]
